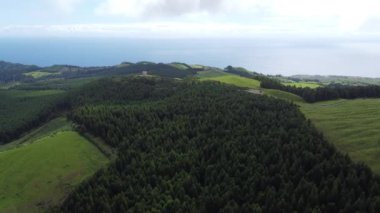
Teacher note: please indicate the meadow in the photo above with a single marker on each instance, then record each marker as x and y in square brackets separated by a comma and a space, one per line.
[38, 170]
[247, 83]
[39, 74]
[352, 125]
[232, 79]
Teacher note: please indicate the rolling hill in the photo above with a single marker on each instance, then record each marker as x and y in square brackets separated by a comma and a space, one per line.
[182, 137]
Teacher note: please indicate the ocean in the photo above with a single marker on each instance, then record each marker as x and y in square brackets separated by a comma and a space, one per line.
[268, 56]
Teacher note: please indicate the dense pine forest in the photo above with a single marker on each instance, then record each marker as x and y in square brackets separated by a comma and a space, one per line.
[22, 110]
[186, 146]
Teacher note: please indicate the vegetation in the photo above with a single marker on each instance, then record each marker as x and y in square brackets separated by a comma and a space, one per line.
[352, 125]
[56, 84]
[235, 80]
[11, 72]
[344, 80]
[246, 82]
[185, 145]
[210, 147]
[241, 72]
[283, 95]
[22, 110]
[304, 84]
[210, 74]
[39, 74]
[332, 92]
[38, 170]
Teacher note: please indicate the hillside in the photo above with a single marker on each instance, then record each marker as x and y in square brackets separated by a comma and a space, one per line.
[14, 72]
[38, 170]
[209, 147]
[234, 80]
[184, 138]
[22, 110]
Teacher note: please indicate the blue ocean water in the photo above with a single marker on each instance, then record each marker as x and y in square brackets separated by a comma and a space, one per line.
[269, 56]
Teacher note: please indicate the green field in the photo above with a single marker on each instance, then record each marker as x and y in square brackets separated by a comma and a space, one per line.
[38, 170]
[211, 74]
[283, 95]
[352, 125]
[247, 83]
[39, 74]
[235, 80]
[311, 85]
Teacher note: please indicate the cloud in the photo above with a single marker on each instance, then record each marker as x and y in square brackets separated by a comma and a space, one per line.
[157, 8]
[65, 6]
[164, 29]
[348, 15]
[185, 18]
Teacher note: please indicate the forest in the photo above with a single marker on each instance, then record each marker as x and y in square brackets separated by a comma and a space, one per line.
[330, 92]
[23, 110]
[189, 146]
[14, 72]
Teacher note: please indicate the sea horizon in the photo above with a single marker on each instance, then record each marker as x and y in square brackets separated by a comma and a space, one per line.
[268, 56]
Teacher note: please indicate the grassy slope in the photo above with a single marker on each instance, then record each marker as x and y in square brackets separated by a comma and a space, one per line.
[210, 74]
[352, 125]
[39, 74]
[283, 95]
[235, 80]
[39, 169]
[311, 85]
[247, 83]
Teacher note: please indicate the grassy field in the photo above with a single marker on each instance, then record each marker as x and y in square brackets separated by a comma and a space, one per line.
[248, 83]
[32, 93]
[283, 95]
[235, 80]
[39, 74]
[38, 170]
[211, 74]
[352, 125]
[311, 85]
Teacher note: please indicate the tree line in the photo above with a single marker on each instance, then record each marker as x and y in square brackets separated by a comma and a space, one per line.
[331, 92]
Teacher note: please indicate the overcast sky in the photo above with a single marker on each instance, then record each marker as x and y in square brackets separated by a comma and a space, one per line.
[190, 18]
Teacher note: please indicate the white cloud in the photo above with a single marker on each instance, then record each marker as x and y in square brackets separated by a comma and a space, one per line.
[351, 14]
[157, 8]
[66, 6]
[194, 18]
[347, 15]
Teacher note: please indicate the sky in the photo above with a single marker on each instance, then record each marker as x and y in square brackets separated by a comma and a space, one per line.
[301, 36]
[191, 18]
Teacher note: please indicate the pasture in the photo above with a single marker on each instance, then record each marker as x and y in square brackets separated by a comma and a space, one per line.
[38, 170]
[39, 74]
[235, 80]
[352, 125]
